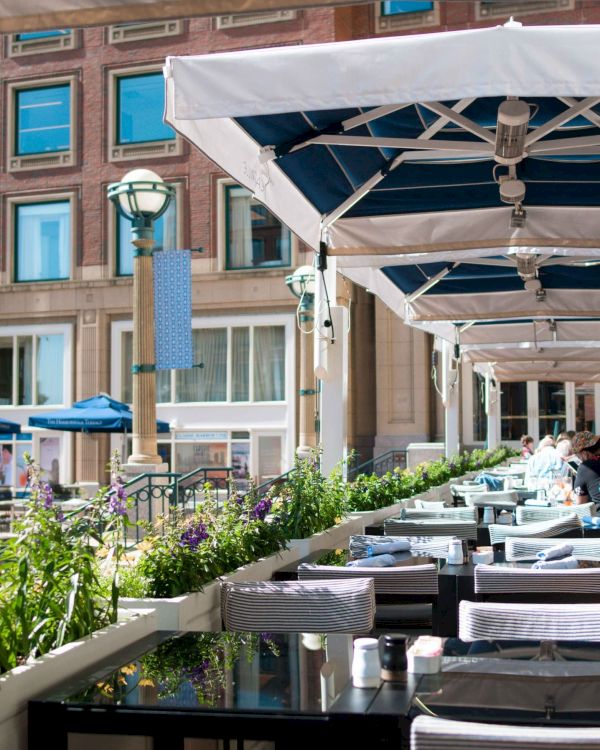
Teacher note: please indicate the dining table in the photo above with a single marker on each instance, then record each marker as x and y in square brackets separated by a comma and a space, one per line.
[295, 690]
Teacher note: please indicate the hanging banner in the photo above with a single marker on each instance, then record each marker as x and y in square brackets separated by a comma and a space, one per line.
[173, 309]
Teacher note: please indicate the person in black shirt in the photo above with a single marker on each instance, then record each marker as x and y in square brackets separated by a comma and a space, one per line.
[587, 480]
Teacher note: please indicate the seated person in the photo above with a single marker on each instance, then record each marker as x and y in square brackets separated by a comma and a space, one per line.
[545, 462]
[526, 447]
[586, 486]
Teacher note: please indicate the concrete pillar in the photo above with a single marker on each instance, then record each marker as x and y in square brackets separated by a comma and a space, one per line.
[451, 392]
[570, 406]
[307, 401]
[334, 394]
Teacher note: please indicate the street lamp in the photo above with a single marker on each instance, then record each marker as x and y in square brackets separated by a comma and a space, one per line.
[301, 284]
[142, 197]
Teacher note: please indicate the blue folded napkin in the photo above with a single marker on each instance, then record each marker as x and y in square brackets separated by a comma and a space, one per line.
[380, 561]
[591, 520]
[494, 483]
[387, 548]
[554, 553]
[565, 563]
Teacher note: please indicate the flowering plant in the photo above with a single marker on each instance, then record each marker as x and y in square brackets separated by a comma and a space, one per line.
[51, 590]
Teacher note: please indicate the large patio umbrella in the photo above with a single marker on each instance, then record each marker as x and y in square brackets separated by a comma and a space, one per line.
[9, 428]
[97, 414]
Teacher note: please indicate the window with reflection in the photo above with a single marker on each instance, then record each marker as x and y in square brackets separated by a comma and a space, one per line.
[394, 7]
[43, 241]
[584, 409]
[31, 370]
[165, 237]
[43, 119]
[513, 411]
[255, 238]
[140, 108]
[552, 411]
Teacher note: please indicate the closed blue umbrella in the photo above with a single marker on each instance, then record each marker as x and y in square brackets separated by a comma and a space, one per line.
[97, 414]
[9, 428]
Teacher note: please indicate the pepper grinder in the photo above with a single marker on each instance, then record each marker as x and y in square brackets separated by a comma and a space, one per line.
[392, 652]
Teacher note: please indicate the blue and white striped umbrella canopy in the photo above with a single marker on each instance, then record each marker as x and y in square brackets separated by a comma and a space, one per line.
[455, 175]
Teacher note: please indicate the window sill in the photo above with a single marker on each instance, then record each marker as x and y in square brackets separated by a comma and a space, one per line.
[151, 150]
[51, 160]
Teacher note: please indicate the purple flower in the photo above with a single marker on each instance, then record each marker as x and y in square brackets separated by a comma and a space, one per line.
[117, 504]
[197, 674]
[424, 474]
[193, 535]
[261, 509]
[47, 495]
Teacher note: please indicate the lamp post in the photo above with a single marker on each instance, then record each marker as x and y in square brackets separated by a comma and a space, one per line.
[142, 197]
[301, 284]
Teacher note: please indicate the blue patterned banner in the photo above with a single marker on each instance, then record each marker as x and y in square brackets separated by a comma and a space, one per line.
[173, 309]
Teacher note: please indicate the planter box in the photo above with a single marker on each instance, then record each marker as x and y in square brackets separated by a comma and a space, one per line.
[336, 536]
[30, 680]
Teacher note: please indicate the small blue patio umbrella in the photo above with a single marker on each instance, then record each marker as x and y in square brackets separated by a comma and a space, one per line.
[9, 428]
[100, 413]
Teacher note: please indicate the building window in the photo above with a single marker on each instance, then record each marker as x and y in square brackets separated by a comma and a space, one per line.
[254, 237]
[136, 125]
[584, 409]
[32, 369]
[41, 125]
[36, 42]
[552, 408]
[513, 410]
[137, 31]
[165, 238]
[252, 19]
[392, 15]
[42, 241]
[506, 8]
[239, 364]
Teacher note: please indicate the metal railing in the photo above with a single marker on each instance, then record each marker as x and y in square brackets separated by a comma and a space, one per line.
[380, 465]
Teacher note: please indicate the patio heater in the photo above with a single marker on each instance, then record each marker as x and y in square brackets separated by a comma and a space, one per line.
[142, 197]
[301, 284]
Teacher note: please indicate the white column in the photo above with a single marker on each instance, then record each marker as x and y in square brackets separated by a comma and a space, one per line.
[492, 407]
[570, 406]
[533, 410]
[596, 407]
[334, 394]
[450, 390]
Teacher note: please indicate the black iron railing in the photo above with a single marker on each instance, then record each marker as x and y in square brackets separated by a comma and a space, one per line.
[380, 465]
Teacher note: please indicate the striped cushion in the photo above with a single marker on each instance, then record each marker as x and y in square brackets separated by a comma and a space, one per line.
[414, 579]
[452, 514]
[494, 579]
[493, 500]
[499, 532]
[427, 546]
[346, 606]
[429, 733]
[431, 527]
[528, 622]
[531, 514]
[527, 549]
[462, 489]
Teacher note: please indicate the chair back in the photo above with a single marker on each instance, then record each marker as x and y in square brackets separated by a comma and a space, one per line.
[429, 504]
[517, 584]
[411, 580]
[565, 524]
[517, 549]
[532, 513]
[431, 527]
[316, 606]
[508, 499]
[462, 489]
[495, 621]
[452, 514]
[431, 733]
[425, 546]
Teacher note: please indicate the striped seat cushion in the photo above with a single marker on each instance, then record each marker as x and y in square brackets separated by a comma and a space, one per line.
[431, 527]
[462, 489]
[319, 606]
[528, 622]
[526, 549]
[493, 500]
[531, 514]
[413, 579]
[431, 733]
[427, 546]
[493, 579]
[451, 514]
[500, 532]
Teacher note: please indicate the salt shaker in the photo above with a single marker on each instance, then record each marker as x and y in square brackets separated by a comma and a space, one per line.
[488, 515]
[455, 552]
[365, 663]
[392, 650]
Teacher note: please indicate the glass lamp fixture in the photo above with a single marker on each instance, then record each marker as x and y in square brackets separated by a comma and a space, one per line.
[141, 196]
[302, 282]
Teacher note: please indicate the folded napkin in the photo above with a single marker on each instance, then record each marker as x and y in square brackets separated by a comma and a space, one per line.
[591, 520]
[565, 563]
[379, 561]
[493, 483]
[538, 502]
[553, 553]
[385, 548]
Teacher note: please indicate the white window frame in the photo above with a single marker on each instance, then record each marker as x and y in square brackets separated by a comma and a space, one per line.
[222, 184]
[400, 21]
[134, 151]
[11, 227]
[46, 160]
[138, 31]
[507, 8]
[234, 21]
[18, 48]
